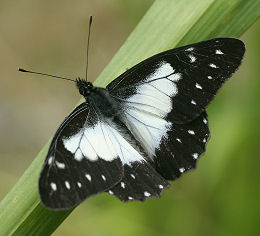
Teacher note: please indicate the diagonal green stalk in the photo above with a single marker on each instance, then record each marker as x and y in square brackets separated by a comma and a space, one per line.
[167, 24]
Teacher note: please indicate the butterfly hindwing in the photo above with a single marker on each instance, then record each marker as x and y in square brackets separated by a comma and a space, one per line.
[76, 167]
[180, 149]
[140, 181]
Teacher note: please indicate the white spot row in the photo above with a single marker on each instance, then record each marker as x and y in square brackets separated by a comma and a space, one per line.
[67, 184]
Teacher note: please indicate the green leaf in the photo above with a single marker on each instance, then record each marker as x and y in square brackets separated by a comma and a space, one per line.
[167, 24]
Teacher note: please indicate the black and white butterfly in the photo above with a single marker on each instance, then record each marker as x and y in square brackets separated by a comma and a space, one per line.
[146, 127]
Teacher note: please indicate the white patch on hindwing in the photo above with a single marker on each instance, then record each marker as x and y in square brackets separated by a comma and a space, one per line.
[147, 128]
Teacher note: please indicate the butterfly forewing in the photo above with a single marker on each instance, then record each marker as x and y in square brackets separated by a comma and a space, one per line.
[190, 76]
[76, 166]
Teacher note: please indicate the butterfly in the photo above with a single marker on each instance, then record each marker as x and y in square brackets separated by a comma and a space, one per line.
[147, 127]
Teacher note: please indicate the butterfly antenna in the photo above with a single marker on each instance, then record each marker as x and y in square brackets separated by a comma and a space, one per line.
[89, 27]
[39, 73]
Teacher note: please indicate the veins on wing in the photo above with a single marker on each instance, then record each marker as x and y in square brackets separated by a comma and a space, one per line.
[141, 121]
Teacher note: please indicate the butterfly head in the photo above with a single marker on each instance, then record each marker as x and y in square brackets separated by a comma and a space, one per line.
[84, 87]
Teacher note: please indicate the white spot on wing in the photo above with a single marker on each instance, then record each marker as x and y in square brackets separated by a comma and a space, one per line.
[60, 165]
[191, 132]
[218, 51]
[110, 192]
[147, 194]
[198, 86]
[193, 102]
[53, 186]
[205, 121]
[192, 58]
[210, 77]
[130, 198]
[88, 177]
[67, 184]
[103, 177]
[213, 65]
[195, 155]
[160, 186]
[122, 184]
[189, 49]
[182, 169]
[132, 176]
[79, 184]
[50, 160]
[178, 140]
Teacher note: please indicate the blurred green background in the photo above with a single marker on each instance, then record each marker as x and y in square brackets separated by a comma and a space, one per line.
[222, 197]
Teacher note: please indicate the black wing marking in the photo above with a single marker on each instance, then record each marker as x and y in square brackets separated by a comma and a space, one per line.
[180, 149]
[140, 181]
[73, 172]
[193, 74]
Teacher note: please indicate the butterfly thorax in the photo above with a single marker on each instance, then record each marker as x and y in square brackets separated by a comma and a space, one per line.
[98, 98]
